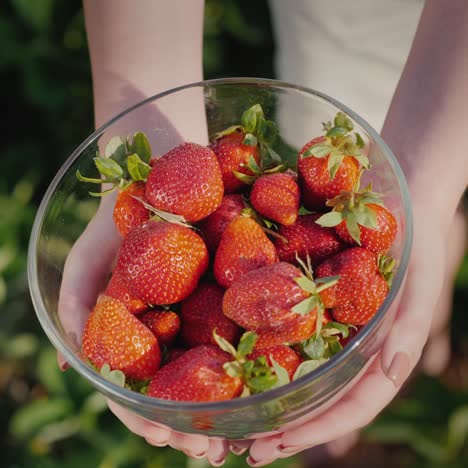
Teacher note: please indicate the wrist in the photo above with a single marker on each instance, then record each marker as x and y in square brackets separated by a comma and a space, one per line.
[435, 183]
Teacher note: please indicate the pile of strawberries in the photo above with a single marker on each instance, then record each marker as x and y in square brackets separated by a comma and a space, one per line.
[237, 273]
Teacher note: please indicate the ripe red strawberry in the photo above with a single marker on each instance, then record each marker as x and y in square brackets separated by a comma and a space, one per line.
[306, 237]
[114, 336]
[270, 297]
[331, 163]
[128, 211]
[243, 247]
[118, 289]
[202, 312]
[186, 181]
[295, 331]
[233, 155]
[276, 197]
[214, 225]
[165, 325]
[162, 262]
[361, 219]
[285, 356]
[380, 239]
[362, 286]
[197, 375]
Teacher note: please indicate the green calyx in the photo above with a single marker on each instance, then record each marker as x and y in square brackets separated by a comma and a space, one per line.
[260, 132]
[386, 265]
[160, 215]
[327, 343]
[338, 143]
[125, 160]
[115, 376]
[353, 208]
[119, 378]
[256, 375]
[314, 288]
[318, 349]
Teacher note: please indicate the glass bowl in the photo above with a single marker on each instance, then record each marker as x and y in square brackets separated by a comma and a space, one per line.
[196, 112]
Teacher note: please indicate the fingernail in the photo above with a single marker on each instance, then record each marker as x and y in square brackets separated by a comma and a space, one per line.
[159, 444]
[254, 463]
[399, 369]
[196, 455]
[219, 462]
[290, 449]
[237, 450]
[63, 364]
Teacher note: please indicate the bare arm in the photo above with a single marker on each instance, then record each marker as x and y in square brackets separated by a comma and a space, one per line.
[139, 49]
[427, 124]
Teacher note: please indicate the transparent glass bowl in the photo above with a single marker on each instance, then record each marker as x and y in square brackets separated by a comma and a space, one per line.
[196, 112]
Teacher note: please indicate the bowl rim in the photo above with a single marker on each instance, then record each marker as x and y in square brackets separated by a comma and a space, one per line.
[121, 393]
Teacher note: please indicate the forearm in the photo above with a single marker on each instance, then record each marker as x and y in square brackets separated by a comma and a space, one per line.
[139, 49]
[426, 124]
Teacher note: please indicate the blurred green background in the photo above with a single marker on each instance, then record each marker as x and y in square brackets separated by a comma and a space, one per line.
[50, 419]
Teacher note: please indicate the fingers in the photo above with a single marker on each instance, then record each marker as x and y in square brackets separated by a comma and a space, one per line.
[158, 435]
[193, 445]
[403, 346]
[264, 451]
[217, 451]
[238, 447]
[437, 352]
[354, 411]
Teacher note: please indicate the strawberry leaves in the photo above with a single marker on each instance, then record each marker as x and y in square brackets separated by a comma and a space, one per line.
[386, 265]
[321, 347]
[353, 208]
[115, 376]
[125, 161]
[314, 301]
[337, 144]
[256, 374]
[258, 131]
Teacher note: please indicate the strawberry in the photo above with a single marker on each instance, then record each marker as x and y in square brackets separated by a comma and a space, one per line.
[256, 373]
[128, 211]
[243, 247]
[271, 297]
[202, 312]
[285, 356]
[197, 375]
[294, 331]
[379, 239]
[186, 181]
[244, 149]
[118, 289]
[163, 323]
[233, 154]
[276, 197]
[361, 219]
[306, 237]
[162, 262]
[362, 287]
[213, 226]
[126, 161]
[331, 163]
[115, 337]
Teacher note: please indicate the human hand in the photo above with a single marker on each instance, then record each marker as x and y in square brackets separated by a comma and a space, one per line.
[434, 259]
[86, 269]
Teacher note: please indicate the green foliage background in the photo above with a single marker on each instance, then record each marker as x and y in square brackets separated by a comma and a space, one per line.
[50, 419]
